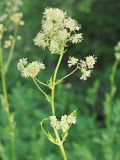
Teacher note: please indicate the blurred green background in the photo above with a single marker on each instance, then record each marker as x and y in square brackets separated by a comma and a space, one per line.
[96, 136]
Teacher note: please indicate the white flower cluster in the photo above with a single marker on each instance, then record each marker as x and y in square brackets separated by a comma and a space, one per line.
[29, 69]
[85, 66]
[65, 122]
[72, 61]
[117, 51]
[57, 29]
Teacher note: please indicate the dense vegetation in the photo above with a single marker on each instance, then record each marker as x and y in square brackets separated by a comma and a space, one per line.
[96, 136]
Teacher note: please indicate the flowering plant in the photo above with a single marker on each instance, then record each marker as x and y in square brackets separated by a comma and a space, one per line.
[57, 31]
[10, 20]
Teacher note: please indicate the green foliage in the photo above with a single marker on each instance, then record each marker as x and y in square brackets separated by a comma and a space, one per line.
[96, 135]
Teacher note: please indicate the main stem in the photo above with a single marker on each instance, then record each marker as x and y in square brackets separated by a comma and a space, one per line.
[6, 107]
[53, 104]
[60, 145]
[54, 81]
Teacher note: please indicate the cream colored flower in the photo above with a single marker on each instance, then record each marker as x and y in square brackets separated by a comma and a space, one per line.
[54, 122]
[54, 15]
[90, 61]
[77, 38]
[71, 119]
[25, 72]
[71, 24]
[40, 40]
[65, 122]
[54, 47]
[72, 61]
[49, 28]
[34, 68]
[22, 63]
[29, 69]
[57, 29]
[85, 74]
[63, 35]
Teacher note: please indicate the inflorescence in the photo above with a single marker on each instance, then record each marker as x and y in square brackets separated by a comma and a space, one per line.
[29, 69]
[57, 29]
[85, 65]
[65, 122]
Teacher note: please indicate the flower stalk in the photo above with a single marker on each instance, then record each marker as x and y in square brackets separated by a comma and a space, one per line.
[54, 83]
[53, 103]
[57, 30]
[5, 104]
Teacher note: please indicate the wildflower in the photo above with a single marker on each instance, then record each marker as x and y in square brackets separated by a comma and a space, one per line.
[57, 29]
[77, 38]
[63, 35]
[90, 61]
[54, 122]
[16, 19]
[71, 24]
[40, 40]
[83, 64]
[7, 44]
[72, 61]
[85, 74]
[25, 72]
[54, 47]
[65, 122]
[71, 119]
[29, 69]
[22, 63]
[54, 15]
[48, 28]
[2, 30]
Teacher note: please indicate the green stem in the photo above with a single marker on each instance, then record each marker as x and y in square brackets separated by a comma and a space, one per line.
[40, 88]
[6, 105]
[60, 145]
[67, 75]
[11, 52]
[53, 104]
[63, 152]
[54, 82]
[41, 82]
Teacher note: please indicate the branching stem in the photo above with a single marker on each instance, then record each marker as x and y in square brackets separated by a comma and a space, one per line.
[41, 82]
[60, 80]
[43, 92]
[53, 104]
